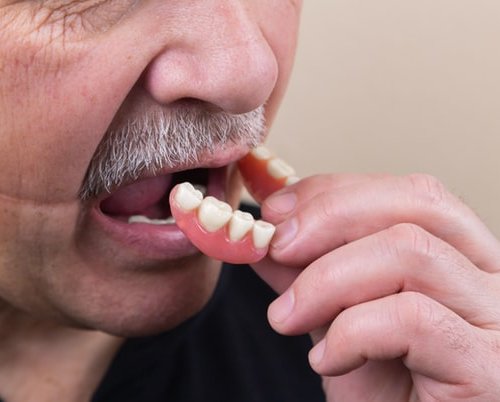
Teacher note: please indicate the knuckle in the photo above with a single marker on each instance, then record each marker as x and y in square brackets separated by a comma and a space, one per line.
[424, 317]
[414, 307]
[415, 312]
[414, 247]
[428, 188]
[327, 208]
[407, 239]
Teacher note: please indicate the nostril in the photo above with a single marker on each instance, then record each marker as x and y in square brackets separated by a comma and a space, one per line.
[196, 103]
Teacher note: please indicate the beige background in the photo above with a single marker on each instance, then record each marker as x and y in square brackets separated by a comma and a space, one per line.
[399, 86]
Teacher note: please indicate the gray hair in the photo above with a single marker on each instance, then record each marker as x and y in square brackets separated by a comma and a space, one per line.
[163, 138]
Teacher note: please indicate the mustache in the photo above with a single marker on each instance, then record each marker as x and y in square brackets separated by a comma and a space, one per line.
[166, 138]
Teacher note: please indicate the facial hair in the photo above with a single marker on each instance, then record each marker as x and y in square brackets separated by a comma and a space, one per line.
[165, 138]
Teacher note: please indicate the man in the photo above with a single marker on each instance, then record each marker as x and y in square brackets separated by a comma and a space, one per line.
[103, 103]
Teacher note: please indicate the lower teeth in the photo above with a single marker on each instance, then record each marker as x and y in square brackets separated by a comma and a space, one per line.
[144, 219]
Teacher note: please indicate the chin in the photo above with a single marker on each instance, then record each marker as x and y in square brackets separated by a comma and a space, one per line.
[145, 300]
[131, 279]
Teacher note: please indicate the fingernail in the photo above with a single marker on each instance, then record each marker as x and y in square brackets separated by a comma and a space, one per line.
[282, 307]
[285, 233]
[283, 203]
[316, 354]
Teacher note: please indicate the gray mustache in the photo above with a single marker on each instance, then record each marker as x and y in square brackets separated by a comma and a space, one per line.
[166, 138]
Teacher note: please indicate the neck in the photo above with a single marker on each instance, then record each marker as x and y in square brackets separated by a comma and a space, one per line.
[43, 361]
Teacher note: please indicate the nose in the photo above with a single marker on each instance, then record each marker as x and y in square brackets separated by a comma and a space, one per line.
[219, 56]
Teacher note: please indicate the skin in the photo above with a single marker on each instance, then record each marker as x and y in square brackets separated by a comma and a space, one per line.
[397, 276]
[396, 280]
[400, 298]
[67, 69]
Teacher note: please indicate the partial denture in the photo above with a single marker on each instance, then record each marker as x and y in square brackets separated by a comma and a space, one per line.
[264, 173]
[218, 231]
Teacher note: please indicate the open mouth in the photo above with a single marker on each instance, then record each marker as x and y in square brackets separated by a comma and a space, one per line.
[137, 217]
[146, 201]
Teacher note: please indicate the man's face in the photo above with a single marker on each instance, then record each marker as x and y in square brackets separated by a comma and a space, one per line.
[93, 94]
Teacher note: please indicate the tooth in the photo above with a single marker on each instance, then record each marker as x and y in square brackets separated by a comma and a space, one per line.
[169, 221]
[214, 214]
[292, 180]
[144, 219]
[240, 224]
[201, 188]
[279, 169]
[187, 197]
[262, 234]
[261, 152]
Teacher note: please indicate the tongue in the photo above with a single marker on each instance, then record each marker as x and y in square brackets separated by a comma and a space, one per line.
[137, 197]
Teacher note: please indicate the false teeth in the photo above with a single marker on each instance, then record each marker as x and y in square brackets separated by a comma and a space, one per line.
[201, 188]
[214, 214]
[240, 224]
[188, 197]
[292, 180]
[279, 169]
[261, 152]
[144, 219]
[262, 234]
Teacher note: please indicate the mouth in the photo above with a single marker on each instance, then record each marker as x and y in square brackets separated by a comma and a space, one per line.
[137, 216]
[146, 201]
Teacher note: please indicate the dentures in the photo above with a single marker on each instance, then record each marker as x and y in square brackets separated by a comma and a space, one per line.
[264, 173]
[218, 231]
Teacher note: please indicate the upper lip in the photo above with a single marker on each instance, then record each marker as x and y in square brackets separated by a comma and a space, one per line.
[221, 157]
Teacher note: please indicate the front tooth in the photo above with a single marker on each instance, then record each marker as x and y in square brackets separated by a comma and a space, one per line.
[240, 224]
[214, 214]
[261, 152]
[279, 169]
[187, 197]
[144, 219]
[262, 234]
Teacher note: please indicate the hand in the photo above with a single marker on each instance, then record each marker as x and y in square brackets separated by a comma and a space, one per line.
[396, 280]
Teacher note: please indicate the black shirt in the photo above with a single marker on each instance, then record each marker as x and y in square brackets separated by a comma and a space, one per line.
[227, 353]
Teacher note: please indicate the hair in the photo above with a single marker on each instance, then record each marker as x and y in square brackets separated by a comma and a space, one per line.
[166, 138]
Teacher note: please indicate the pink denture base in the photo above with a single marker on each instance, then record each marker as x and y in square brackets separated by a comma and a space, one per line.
[216, 244]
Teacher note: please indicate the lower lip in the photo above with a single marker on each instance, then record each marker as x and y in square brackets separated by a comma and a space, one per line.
[158, 242]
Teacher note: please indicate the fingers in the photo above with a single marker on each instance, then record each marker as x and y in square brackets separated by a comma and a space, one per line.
[402, 258]
[336, 215]
[264, 174]
[278, 276]
[431, 340]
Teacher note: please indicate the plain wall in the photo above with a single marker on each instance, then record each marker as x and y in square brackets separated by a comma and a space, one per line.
[398, 86]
